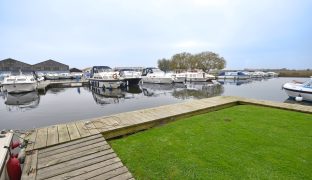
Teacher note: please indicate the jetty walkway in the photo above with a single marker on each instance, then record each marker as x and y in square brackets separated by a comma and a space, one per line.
[79, 149]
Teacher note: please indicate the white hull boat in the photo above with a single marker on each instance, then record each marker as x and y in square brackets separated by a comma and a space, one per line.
[234, 75]
[105, 77]
[299, 91]
[5, 140]
[199, 77]
[130, 77]
[156, 76]
[19, 84]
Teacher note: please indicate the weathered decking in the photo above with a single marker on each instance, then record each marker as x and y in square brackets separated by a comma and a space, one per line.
[87, 158]
[69, 150]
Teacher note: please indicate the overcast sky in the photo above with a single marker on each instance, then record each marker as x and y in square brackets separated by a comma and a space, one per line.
[83, 33]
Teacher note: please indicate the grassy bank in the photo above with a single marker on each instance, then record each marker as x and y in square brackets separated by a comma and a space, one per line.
[295, 73]
[242, 142]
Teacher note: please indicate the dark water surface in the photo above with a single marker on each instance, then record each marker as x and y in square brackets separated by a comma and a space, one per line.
[60, 105]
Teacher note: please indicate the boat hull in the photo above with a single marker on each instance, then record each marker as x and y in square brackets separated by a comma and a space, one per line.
[179, 80]
[293, 91]
[234, 77]
[20, 87]
[132, 81]
[157, 80]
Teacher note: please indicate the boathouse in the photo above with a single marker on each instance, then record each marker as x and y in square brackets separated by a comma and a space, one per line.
[50, 65]
[13, 65]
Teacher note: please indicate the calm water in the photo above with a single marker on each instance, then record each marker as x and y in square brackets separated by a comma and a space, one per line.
[60, 105]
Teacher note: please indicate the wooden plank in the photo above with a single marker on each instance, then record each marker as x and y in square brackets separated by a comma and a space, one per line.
[73, 147]
[100, 171]
[31, 140]
[111, 174]
[57, 158]
[82, 129]
[73, 131]
[63, 133]
[50, 174]
[52, 135]
[56, 167]
[30, 166]
[85, 170]
[41, 139]
[124, 176]
[70, 143]
[92, 129]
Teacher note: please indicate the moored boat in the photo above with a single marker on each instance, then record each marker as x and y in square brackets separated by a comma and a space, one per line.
[156, 76]
[199, 77]
[19, 83]
[234, 75]
[299, 90]
[130, 76]
[105, 77]
[5, 141]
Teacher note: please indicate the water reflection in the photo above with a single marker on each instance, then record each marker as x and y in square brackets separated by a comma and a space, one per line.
[160, 89]
[235, 82]
[199, 91]
[22, 101]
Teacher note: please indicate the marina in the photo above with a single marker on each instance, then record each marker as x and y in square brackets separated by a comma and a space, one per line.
[65, 104]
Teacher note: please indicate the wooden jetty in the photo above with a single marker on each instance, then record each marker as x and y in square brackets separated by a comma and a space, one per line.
[43, 85]
[61, 135]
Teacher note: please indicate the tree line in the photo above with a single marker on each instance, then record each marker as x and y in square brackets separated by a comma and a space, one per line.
[186, 61]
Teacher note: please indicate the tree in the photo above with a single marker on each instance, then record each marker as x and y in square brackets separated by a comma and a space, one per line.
[164, 64]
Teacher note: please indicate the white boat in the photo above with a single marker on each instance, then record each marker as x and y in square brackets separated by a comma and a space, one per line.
[156, 76]
[2, 76]
[52, 76]
[105, 77]
[298, 90]
[5, 140]
[199, 77]
[19, 83]
[234, 75]
[272, 74]
[179, 77]
[257, 74]
[130, 76]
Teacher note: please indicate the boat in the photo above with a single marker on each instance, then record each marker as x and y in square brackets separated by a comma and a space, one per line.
[5, 140]
[156, 76]
[179, 78]
[257, 74]
[272, 74]
[52, 76]
[299, 90]
[2, 76]
[130, 76]
[234, 75]
[105, 77]
[198, 76]
[19, 83]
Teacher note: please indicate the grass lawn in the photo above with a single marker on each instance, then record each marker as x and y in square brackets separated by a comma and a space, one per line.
[241, 142]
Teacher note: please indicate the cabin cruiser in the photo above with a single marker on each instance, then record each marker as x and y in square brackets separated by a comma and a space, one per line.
[199, 77]
[234, 75]
[19, 83]
[156, 76]
[257, 74]
[2, 76]
[105, 77]
[299, 90]
[52, 76]
[5, 141]
[130, 76]
[272, 74]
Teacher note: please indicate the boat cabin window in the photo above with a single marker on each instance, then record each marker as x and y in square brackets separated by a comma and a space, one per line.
[21, 79]
[10, 80]
[308, 84]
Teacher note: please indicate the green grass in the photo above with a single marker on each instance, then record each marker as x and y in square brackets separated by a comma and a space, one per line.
[241, 142]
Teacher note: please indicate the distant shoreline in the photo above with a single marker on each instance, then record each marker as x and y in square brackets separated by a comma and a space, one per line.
[295, 73]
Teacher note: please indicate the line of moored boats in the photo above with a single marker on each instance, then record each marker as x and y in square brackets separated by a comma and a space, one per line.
[106, 77]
